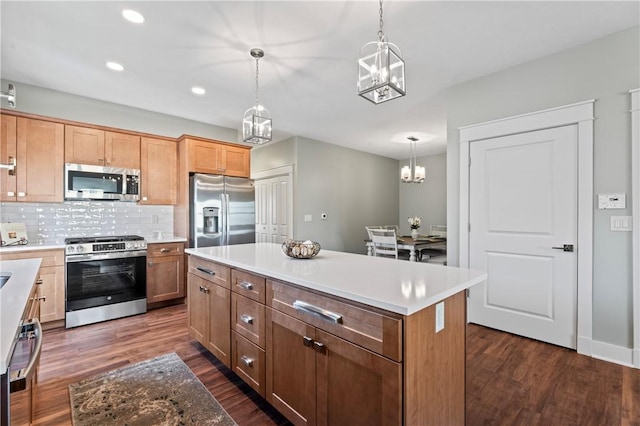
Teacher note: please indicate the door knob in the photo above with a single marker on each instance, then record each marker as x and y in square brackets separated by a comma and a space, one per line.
[565, 247]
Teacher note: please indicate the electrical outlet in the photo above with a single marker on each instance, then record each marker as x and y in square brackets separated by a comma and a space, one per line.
[439, 317]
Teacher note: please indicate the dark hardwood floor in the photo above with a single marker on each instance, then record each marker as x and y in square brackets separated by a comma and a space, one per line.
[510, 380]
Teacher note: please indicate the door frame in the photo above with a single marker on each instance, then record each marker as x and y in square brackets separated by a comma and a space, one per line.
[635, 189]
[582, 115]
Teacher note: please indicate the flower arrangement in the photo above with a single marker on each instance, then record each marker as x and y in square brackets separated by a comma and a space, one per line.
[415, 222]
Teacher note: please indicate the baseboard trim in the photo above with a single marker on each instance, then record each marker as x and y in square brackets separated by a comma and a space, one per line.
[613, 353]
[636, 358]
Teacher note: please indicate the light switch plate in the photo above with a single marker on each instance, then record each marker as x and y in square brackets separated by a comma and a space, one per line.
[621, 223]
[439, 317]
[307, 218]
[612, 201]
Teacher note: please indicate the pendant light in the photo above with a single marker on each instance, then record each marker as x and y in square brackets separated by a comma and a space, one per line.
[380, 69]
[256, 124]
[412, 173]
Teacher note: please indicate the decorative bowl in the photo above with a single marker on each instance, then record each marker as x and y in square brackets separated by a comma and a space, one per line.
[300, 249]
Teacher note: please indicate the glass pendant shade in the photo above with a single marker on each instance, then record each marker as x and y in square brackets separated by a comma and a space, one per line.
[412, 173]
[256, 125]
[380, 72]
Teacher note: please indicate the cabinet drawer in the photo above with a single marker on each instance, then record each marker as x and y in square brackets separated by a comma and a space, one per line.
[249, 285]
[247, 319]
[368, 328]
[164, 249]
[210, 271]
[248, 362]
[49, 257]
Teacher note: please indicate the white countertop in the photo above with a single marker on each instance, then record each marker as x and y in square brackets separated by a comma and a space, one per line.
[394, 285]
[31, 247]
[13, 300]
[165, 239]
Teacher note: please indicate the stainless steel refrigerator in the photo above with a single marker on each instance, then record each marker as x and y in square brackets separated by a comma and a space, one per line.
[221, 211]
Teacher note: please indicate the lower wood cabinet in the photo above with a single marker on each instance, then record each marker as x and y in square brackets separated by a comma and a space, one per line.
[315, 378]
[209, 306]
[165, 272]
[51, 273]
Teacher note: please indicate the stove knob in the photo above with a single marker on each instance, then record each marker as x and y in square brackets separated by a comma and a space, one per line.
[71, 249]
[128, 246]
[80, 249]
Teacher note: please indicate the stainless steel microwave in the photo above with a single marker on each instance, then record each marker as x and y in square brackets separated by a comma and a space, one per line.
[88, 182]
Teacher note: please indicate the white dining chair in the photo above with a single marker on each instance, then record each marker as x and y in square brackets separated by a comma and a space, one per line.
[385, 242]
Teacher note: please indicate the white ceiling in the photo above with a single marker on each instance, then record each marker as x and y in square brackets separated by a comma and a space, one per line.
[308, 74]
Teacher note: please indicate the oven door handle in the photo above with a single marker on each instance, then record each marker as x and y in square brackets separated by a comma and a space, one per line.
[19, 381]
[102, 256]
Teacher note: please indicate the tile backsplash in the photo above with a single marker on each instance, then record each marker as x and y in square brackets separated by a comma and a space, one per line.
[51, 223]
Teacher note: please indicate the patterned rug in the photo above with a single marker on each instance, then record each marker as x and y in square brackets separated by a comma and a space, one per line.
[158, 391]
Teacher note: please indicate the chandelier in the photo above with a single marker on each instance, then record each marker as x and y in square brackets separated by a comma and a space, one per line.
[380, 69]
[412, 173]
[256, 124]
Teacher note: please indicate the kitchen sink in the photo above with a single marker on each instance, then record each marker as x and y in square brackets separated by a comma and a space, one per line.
[4, 277]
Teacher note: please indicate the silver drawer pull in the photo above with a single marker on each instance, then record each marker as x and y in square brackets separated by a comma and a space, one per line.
[205, 270]
[30, 330]
[318, 312]
[246, 318]
[246, 360]
[165, 250]
[246, 285]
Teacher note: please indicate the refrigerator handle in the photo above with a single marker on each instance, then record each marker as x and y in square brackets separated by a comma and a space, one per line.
[228, 221]
[223, 225]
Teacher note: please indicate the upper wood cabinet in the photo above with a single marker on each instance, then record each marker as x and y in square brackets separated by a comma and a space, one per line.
[85, 145]
[158, 171]
[38, 147]
[218, 158]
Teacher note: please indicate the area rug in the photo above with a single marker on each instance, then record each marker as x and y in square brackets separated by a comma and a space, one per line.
[158, 391]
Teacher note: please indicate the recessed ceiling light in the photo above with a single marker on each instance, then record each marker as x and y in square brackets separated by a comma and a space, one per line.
[133, 16]
[198, 90]
[115, 66]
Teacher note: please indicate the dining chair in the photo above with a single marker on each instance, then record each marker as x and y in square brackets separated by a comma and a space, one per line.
[385, 242]
[436, 254]
[370, 227]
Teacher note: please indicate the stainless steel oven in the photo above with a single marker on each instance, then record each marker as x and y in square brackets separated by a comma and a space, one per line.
[105, 278]
[18, 383]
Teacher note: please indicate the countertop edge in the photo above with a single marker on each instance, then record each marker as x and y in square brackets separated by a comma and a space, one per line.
[375, 302]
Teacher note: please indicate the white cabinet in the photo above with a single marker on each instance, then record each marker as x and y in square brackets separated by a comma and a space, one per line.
[274, 209]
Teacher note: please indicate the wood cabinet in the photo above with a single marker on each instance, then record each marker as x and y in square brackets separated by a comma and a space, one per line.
[51, 274]
[314, 377]
[165, 272]
[38, 149]
[218, 158]
[158, 171]
[84, 145]
[209, 303]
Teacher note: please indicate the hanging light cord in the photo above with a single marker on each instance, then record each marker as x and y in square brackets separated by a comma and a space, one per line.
[257, 73]
[380, 33]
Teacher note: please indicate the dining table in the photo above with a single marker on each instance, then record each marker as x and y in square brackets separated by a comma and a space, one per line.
[407, 242]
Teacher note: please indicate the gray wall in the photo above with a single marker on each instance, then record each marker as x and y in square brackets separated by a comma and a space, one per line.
[605, 70]
[353, 188]
[51, 103]
[428, 199]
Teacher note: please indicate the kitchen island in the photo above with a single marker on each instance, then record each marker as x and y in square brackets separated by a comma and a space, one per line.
[338, 339]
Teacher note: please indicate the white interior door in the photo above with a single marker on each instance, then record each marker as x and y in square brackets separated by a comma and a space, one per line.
[274, 209]
[523, 203]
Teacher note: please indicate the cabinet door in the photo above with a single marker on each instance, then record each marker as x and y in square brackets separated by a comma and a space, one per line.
[205, 157]
[198, 308]
[52, 293]
[158, 169]
[291, 367]
[122, 150]
[165, 278]
[356, 386]
[236, 161]
[219, 342]
[8, 153]
[40, 169]
[83, 145]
